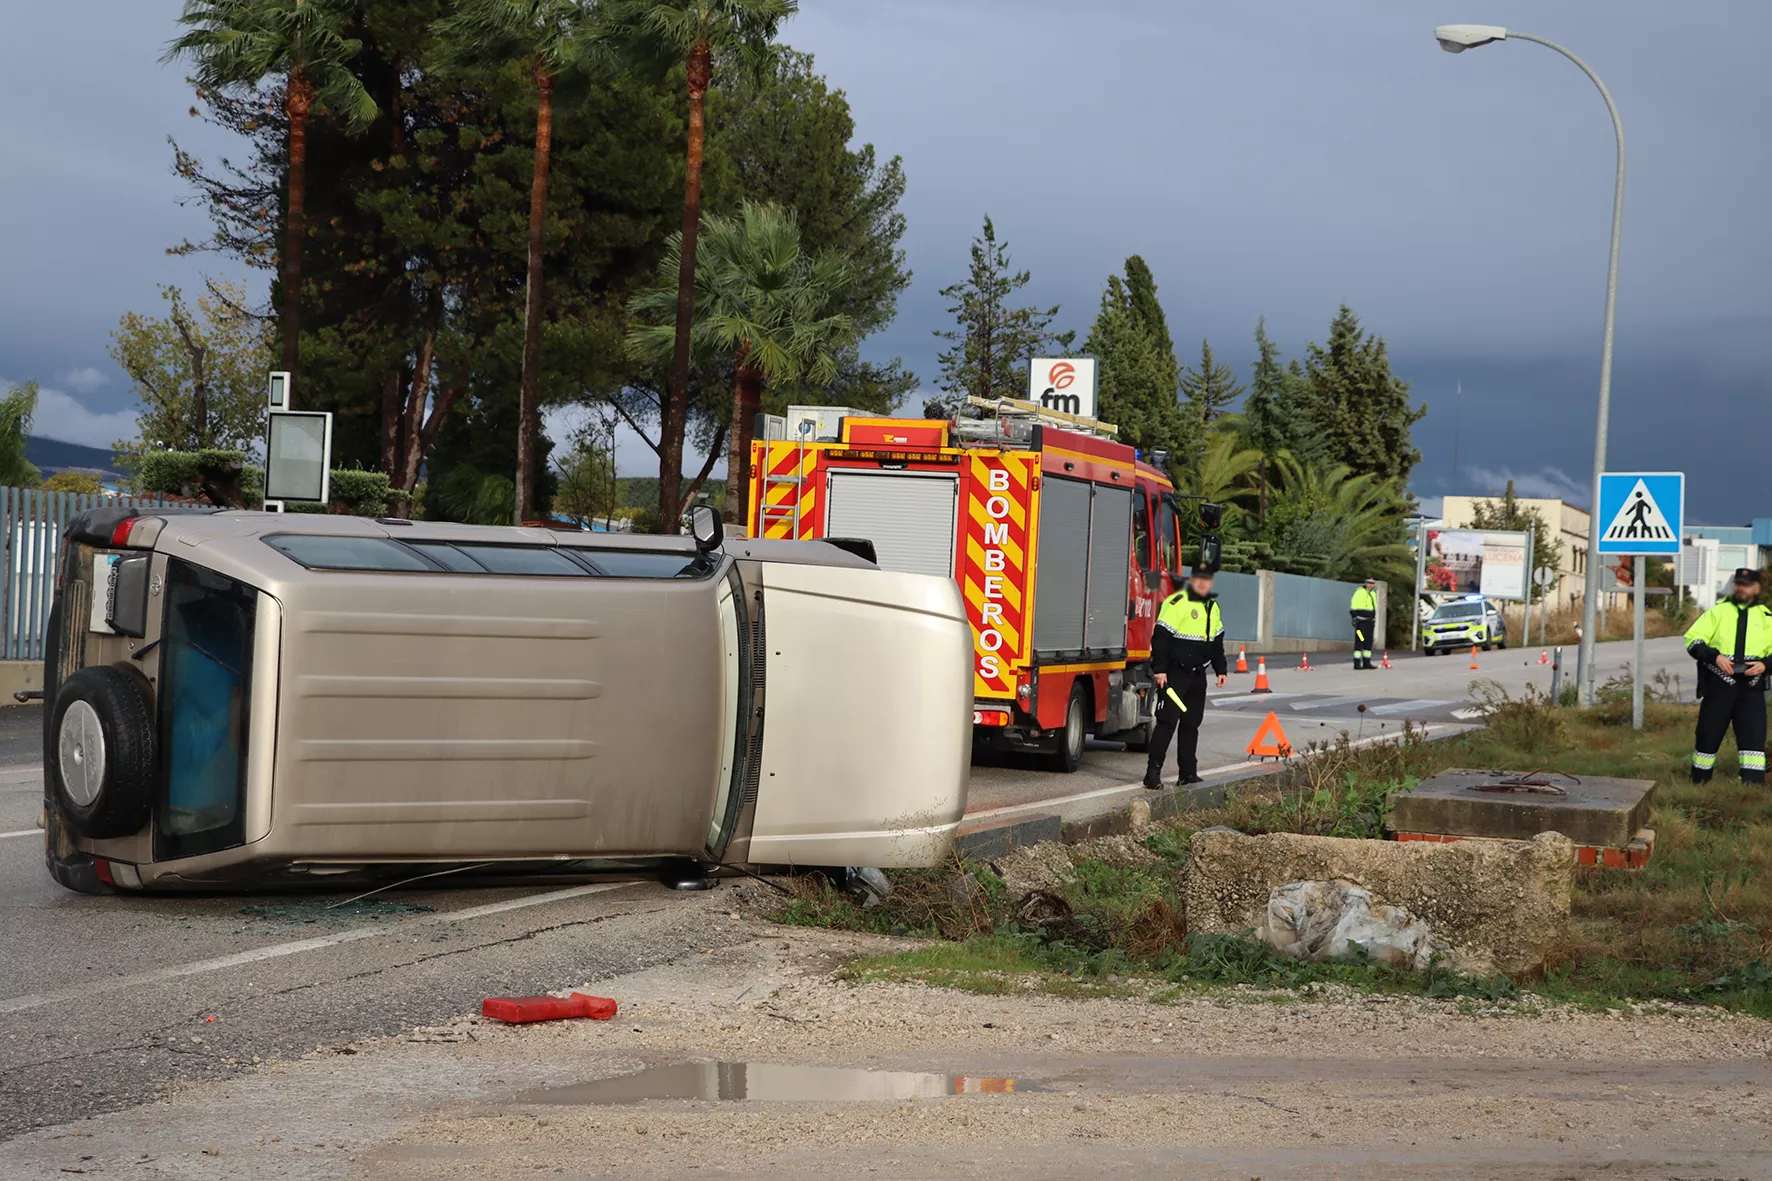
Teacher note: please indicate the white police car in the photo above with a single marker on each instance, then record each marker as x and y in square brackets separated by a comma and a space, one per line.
[1470, 622]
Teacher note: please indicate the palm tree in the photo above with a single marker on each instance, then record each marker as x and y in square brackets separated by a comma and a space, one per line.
[695, 33]
[243, 42]
[761, 301]
[554, 38]
[1328, 522]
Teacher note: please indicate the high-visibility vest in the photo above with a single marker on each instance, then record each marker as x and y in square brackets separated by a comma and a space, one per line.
[1191, 618]
[1718, 627]
[1363, 600]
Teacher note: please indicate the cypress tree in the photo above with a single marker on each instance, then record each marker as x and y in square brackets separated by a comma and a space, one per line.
[992, 341]
[1136, 371]
[1356, 405]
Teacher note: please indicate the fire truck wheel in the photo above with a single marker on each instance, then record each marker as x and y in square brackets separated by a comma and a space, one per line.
[100, 762]
[1069, 754]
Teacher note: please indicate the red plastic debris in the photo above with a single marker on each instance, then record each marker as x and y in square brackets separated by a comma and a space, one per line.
[519, 1010]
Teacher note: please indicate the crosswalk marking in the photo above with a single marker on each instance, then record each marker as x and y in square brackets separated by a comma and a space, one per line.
[1398, 707]
[1330, 701]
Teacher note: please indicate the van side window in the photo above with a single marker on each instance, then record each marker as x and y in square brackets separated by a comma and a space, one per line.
[627, 563]
[205, 685]
[518, 559]
[345, 553]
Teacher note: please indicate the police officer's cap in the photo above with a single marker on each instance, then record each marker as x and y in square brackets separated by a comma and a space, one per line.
[1747, 575]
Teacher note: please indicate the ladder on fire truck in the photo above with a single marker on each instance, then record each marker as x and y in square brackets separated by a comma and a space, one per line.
[774, 514]
[1015, 410]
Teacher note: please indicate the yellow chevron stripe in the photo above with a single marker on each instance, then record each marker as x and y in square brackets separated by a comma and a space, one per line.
[1012, 554]
[1017, 512]
[1011, 600]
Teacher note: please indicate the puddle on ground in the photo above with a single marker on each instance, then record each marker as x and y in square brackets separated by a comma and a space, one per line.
[770, 1082]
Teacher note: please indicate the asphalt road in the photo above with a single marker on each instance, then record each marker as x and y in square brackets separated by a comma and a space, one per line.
[105, 1002]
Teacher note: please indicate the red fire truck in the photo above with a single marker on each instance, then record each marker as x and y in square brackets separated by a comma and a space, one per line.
[1064, 543]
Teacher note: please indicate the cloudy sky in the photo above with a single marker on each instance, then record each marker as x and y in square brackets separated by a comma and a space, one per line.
[1270, 158]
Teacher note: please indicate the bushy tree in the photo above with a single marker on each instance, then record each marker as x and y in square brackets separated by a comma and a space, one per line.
[81, 483]
[584, 489]
[1137, 375]
[1274, 421]
[17, 409]
[1358, 407]
[198, 374]
[992, 341]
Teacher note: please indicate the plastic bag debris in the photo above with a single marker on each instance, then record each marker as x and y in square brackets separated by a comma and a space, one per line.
[1329, 920]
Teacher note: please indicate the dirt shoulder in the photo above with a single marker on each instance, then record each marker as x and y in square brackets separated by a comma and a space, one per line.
[1224, 1085]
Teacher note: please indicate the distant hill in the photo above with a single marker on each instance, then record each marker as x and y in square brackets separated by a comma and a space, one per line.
[53, 455]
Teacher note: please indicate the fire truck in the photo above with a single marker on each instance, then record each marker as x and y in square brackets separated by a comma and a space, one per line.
[1064, 542]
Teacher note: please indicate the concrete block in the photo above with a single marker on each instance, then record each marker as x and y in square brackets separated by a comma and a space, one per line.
[1591, 811]
[16, 675]
[1495, 905]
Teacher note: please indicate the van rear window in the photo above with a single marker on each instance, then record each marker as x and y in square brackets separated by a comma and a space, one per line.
[345, 553]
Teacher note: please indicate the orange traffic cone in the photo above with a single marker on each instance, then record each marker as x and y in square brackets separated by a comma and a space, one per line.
[1473, 656]
[1242, 661]
[1386, 662]
[1544, 656]
[1261, 685]
[1304, 663]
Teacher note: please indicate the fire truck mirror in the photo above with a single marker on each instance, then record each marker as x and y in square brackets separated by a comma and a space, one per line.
[1211, 515]
[1210, 555]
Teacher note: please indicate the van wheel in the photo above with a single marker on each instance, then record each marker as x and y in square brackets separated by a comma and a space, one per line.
[100, 761]
[1069, 754]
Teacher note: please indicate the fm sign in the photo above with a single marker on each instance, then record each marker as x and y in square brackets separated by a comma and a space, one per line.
[1065, 384]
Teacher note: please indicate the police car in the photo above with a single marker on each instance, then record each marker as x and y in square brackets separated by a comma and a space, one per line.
[1472, 621]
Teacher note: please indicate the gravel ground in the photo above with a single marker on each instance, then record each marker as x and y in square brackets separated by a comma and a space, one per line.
[1229, 1085]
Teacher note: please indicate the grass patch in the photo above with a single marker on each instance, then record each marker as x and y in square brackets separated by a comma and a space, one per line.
[1695, 925]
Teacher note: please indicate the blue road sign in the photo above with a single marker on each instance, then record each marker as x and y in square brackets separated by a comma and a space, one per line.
[1641, 513]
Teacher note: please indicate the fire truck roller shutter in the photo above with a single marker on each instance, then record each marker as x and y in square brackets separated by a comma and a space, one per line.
[908, 516]
[1110, 556]
[1062, 581]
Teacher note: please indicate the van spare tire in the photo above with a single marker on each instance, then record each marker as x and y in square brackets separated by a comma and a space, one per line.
[101, 763]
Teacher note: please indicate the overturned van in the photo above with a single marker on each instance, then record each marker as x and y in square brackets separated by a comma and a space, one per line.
[238, 697]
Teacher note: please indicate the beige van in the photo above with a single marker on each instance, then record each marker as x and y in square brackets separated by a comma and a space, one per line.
[237, 697]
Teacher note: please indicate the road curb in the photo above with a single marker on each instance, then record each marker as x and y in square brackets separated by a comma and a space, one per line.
[988, 839]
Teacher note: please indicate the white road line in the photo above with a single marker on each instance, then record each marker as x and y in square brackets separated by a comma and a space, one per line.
[1330, 701]
[18, 1004]
[1405, 706]
[23, 832]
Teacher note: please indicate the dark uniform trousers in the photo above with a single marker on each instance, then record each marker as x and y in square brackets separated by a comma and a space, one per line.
[1190, 686]
[1721, 705]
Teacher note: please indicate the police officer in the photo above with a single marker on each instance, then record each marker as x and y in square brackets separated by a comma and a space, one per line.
[1189, 635]
[1732, 643]
[1363, 609]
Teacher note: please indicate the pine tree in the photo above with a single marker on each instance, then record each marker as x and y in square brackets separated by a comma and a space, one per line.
[1208, 391]
[993, 341]
[1356, 405]
[1137, 374]
[1275, 421]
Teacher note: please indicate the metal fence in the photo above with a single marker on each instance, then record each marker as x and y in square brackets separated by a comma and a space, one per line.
[1311, 608]
[1239, 599]
[32, 522]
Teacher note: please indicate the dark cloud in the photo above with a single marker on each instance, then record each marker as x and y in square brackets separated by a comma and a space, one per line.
[1267, 159]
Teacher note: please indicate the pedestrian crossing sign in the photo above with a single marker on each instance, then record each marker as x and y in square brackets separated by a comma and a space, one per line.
[1641, 513]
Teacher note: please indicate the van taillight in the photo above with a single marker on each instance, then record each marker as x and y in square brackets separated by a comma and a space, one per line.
[120, 535]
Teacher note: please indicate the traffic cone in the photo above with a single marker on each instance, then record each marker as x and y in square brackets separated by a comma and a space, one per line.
[1473, 656]
[1386, 662]
[1242, 661]
[1261, 685]
[1544, 656]
[1304, 663]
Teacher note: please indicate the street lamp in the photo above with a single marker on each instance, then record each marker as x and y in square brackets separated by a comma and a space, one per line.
[1457, 39]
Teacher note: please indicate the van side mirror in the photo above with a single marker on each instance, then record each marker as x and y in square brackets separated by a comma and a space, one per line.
[126, 611]
[705, 524]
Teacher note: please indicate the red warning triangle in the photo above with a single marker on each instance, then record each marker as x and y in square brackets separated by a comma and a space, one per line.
[1270, 740]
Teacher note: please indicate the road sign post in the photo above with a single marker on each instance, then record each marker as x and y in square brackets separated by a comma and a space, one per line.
[1641, 514]
[1544, 576]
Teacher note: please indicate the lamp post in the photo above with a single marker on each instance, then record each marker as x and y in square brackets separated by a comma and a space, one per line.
[1457, 39]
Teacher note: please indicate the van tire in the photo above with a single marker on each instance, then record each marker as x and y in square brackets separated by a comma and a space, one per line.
[109, 706]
